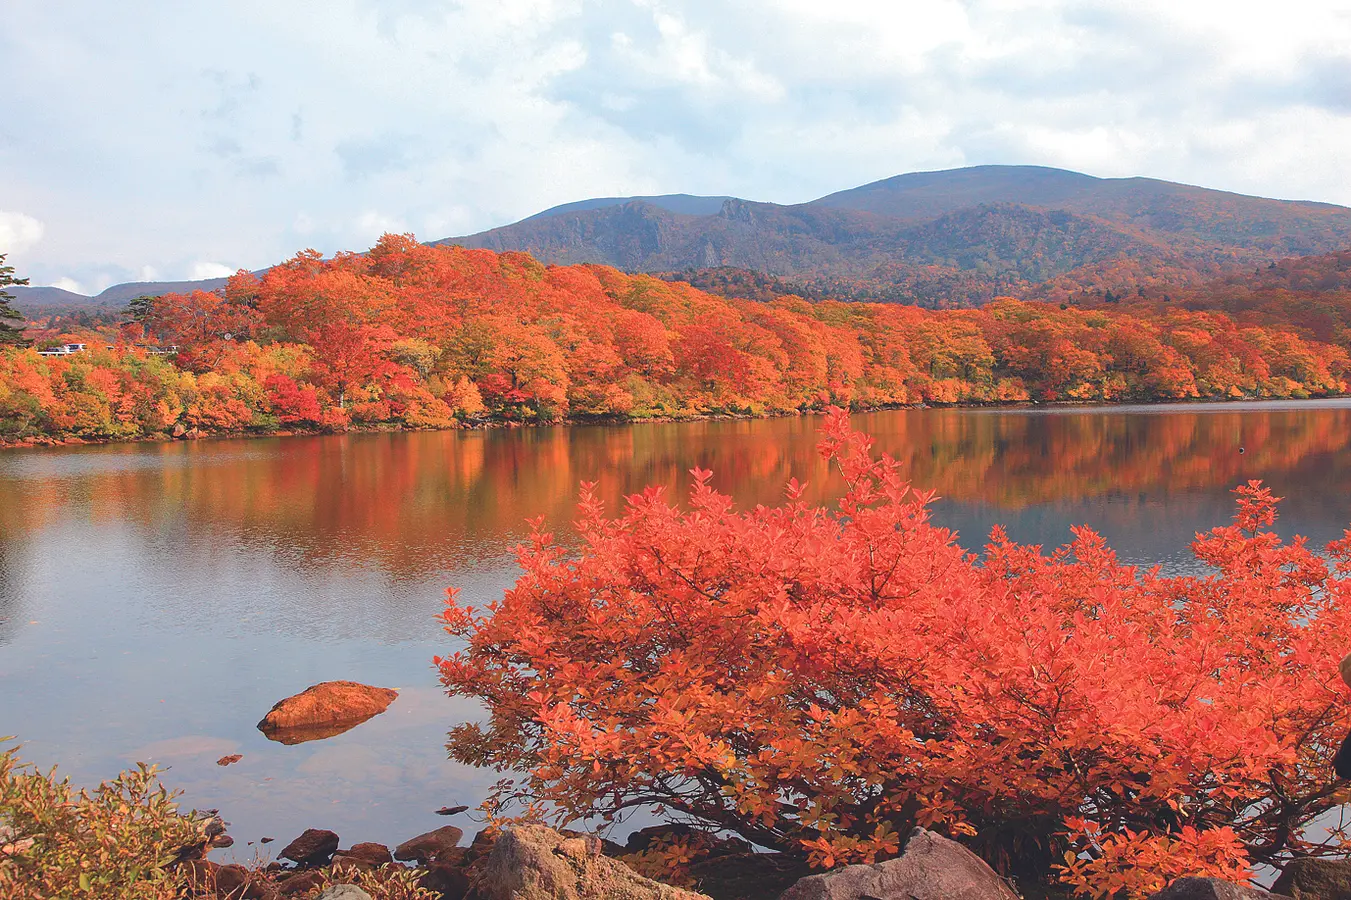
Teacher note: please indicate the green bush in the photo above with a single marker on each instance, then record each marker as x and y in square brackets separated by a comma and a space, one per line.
[115, 843]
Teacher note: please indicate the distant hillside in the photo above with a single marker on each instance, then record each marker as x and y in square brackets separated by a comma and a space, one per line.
[1309, 296]
[34, 297]
[960, 236]
[52, 298]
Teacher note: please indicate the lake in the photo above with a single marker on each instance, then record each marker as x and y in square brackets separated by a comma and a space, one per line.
[157, 599]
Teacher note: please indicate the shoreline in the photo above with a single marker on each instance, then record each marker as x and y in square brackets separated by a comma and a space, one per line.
[1050, 406]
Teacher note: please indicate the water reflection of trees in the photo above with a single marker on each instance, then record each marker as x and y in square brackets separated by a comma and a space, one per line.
[413, 503]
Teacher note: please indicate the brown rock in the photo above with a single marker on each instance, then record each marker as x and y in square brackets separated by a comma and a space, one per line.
[451, 810]
[425, 847]
[531, 862]
[313, 848]
[747, 876]
[1345, 668]
[229, 760]
[481, 845]
[644, 838]
[315, 712]
[1211, 889]
[200, 875]
[370, 853]
[237, 883]
[703, 843]
[931, 867]
[342, 861]
[446, 878]
[1315, 879]
[300, 882]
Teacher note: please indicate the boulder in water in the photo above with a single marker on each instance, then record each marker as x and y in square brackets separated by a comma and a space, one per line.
[324, 710]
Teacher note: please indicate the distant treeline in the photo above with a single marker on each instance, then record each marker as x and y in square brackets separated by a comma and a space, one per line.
[416, 336]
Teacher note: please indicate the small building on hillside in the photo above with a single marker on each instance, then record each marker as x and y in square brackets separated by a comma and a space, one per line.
[63, 350]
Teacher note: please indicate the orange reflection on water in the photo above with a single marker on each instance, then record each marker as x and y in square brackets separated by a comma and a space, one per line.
[414, 503]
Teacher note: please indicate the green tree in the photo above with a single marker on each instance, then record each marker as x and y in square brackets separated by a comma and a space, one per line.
[10, 333]
[140, 309]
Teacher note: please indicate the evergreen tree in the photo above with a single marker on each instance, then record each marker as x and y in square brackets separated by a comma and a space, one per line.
[10, 333]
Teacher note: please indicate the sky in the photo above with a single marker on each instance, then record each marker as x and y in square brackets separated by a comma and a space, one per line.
[169, 140]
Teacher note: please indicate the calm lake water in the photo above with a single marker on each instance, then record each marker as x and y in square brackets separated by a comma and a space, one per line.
[157, 599]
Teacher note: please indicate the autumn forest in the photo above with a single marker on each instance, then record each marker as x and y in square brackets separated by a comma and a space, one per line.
[414, 336]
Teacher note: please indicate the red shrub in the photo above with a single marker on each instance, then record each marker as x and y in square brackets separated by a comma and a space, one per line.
[819, 680]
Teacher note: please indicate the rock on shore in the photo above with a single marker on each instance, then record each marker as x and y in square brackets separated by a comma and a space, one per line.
[1212, 889]
[531, 862]
[931, 867]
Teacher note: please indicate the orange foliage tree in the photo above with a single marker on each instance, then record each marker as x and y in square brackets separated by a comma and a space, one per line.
[820, 679]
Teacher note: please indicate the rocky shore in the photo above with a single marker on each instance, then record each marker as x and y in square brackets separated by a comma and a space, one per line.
[533, 862]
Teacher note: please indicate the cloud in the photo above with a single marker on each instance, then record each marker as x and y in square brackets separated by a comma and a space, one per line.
[68, 284]
[367, 156]
[372, 224]
[165, 136]
[18, 232]
[202, 270]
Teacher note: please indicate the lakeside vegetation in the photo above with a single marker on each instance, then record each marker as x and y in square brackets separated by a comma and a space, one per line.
[820, 680]
[413, 336]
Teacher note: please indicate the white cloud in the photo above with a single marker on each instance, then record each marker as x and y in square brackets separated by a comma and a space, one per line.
[68, 284]
[455, 117]
[18, 232]
[202, 270]
[371, 224]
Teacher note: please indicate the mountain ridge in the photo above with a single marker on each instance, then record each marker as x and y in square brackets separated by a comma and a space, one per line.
[43, 296]
[991, 228]
[944, 237]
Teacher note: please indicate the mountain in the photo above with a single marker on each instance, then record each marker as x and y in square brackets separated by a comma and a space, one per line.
[34, 297]
[686, 204]
[43, 298]
[957, 236]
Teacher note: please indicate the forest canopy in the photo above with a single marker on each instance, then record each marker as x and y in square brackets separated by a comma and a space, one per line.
[414, 336]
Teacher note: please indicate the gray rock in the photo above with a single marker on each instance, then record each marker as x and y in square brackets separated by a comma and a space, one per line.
[531, 862]
[1211, 889]
[931, 867]
[1315, 879]
[343, 892]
